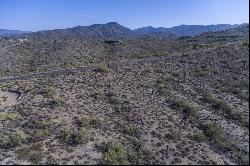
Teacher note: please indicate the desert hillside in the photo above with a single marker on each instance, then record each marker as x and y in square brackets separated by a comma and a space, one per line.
[140, 100]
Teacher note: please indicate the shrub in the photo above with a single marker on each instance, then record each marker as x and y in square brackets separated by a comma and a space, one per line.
[92, 122]
[242, 158]
[102, 68]
[115, 100]
[161, 89]
[219, 104]
[245, 43]
[187, 108]
[236, 115]
[212, 131]
[175, 135]
[83, 122]
[4, 98]
[33, 152]
[13, 139]
[116, 155]
[136, 144]
[132, 130]
[95, 122]
[49, 90]
[215, 134]
[176, 73]
[56, 101]
[147, 55]
[87, 123]
[74, 137]
[222, 105]
[45, 124]
[41, 134]
[204, 73]
[7, 116]
[199, 137]
[208, 97]
[133, 157]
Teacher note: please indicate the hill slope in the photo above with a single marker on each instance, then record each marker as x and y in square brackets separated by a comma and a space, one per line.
[141, 101]
[185, 30]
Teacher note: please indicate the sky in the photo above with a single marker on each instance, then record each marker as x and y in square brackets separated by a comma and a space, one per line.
[35, 15]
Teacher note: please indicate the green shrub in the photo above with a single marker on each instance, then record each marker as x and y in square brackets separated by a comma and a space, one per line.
[49, 89]
[33, 152]
[213, 132]
[102, 68]
[74, 137]
[115, 100]
[208, 97]
[56, 101]
[187, 108]
[45, 124]
[236, 115]
[41, 134]
[242, 158]
[83, 122]
[7, 116]
[147, 55]
[116, 155]
[13, 139]
[91, 122]
[222, 105]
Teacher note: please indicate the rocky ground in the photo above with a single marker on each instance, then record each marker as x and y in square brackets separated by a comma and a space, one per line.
[184, 106]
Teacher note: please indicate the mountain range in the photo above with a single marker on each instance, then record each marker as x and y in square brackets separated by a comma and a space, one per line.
[6, 32]
[113, 30]
[186, 30]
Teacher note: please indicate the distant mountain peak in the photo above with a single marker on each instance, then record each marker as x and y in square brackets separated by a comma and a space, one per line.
[112, 23]
[110, 30]
[115, 24]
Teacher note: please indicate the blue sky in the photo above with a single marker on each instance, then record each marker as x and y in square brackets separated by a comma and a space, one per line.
[33, 15]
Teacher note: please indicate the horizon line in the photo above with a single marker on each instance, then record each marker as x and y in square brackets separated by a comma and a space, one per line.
[123, 26]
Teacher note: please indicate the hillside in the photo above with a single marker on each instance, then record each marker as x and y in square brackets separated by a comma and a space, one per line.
[142, 100]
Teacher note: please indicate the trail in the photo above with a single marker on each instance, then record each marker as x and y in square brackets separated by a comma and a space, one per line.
[169, 58]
